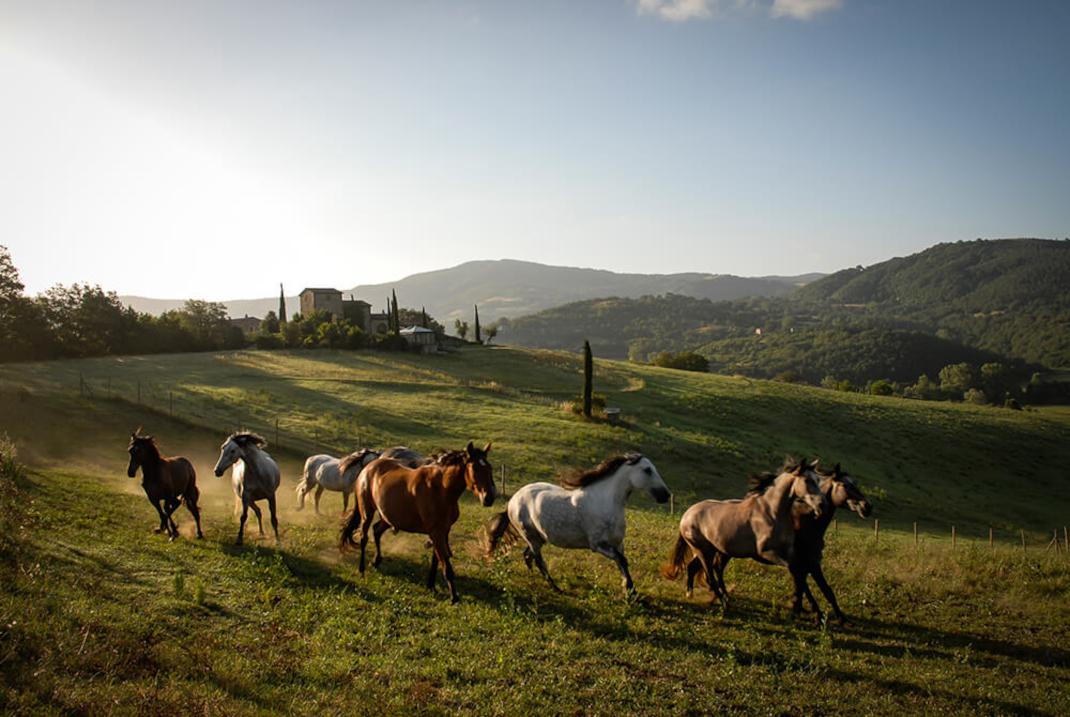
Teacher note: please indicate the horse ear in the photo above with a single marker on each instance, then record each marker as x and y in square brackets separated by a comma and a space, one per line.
[469, 449]
[486, 448]
[815, 462]
[836, 469]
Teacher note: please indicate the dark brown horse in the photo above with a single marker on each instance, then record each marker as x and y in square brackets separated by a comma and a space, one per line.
[421, 500]
[839, 490]
[167, 482]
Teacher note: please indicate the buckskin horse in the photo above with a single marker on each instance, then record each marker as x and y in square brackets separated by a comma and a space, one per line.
[419, 500]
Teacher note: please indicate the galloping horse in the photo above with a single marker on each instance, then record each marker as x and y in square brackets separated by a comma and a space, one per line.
[585, 511]
[167, 482]
[255, 476]
[839, 489]
[759, 527]
[324, 471]
[421, 500]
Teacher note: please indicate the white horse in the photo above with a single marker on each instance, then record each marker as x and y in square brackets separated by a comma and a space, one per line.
[585, 511]
[324, 472]
[255, 476]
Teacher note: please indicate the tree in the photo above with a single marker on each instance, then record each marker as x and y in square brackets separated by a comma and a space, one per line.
[270, 324]
[956, 379]
[479, 335]
[423, 318]
[282, 306]
[491, 332]
[684, 361]
[588, 378]
[461, 327]
[394, 312]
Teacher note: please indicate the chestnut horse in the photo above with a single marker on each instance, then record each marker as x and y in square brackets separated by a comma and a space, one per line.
[167, 482]
[421, 500]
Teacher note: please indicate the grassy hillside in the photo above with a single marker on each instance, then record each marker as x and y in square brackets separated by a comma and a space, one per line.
[293, 629]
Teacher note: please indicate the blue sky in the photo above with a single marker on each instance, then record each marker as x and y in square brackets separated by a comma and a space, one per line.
[213, 149]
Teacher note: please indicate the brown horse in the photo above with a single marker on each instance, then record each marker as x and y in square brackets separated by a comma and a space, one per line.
[167, 482]
[421, 500]
[759, 527]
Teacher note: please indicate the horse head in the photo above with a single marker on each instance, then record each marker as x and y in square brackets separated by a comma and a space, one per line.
[644, 476]
[140, 449]
[237, 446]
[804, 486]
[844, 491]
[479, 475]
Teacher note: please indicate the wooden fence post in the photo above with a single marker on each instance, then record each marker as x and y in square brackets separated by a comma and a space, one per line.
[672, 504]
[876, 529]
[915, 534]
[1022, 532]
[1054, 543]
[990, 544]
[952, 537]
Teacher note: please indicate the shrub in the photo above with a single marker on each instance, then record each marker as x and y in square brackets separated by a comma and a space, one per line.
[881, 387]
[789, 376]
[270, 341]
[684, 360]
[975, 396]
[834, 384]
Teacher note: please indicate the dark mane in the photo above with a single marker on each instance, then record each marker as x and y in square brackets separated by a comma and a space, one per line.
[449, 458]
[579, 478]
[792, 464]
[760, 482]
[243, 438]
[355, 457]
[149, 441]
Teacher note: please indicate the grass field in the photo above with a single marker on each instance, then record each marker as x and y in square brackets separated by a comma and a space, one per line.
[99, 615]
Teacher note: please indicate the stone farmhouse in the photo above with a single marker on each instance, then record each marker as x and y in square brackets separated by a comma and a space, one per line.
[355, 310]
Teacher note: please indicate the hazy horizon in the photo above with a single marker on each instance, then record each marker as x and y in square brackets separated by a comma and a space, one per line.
[213, 150]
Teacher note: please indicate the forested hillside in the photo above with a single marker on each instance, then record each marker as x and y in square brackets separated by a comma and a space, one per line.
[1005, 300]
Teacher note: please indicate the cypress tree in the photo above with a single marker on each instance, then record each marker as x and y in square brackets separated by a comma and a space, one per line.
[423, 318]
[396, 317]
[479, 336]
[282, 305]
[588, 378]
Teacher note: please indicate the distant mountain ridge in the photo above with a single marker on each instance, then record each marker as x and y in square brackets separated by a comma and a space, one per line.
[1006, 299]
[509, 288]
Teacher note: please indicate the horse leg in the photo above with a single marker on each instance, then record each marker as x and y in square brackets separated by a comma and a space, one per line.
[798, 577]
[274, 517]
[345, 501]
[365, 525]
[171, 506]
[244, 517]
[442, 549]
[706, 557]
[614, 553]
[192, 495]
[693, 569]
[719, 566]
[433, 572]
[158, 505]
[819, 578]
[319, 492]
[259, 517]
[536, 554]
[528, 557]
[378, 529]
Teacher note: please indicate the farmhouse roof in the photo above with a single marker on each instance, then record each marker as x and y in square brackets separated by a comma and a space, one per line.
[416, 330]
[321, 290]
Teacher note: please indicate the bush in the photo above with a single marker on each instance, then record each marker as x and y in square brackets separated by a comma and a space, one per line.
[10, 468]
[834, 384]
[684, 360]
[598, 405]
[881, 387]
[789, 376]
[270, 341]
[976, 397]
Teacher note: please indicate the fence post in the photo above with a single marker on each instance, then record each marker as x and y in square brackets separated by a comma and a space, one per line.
[876, 529]
[990, 544]
[915, 534]
[672, 504]
[1022, 532]
[952, 537]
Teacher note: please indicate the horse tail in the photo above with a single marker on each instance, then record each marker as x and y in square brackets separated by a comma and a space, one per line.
[497, 528]
[350, 525]
[306, 484]
[671, 569]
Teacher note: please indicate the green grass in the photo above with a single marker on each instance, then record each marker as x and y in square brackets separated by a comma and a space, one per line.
[99, 615]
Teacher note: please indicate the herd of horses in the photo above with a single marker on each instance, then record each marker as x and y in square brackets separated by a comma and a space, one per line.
[781, 520]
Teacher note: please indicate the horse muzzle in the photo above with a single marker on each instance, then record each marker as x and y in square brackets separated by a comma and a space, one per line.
[130, 473]
[487, 499]
[862, 507]
[660, 495]
[218, 473]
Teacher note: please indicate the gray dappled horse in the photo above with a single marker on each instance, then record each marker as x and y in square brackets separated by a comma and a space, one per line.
[254, 474]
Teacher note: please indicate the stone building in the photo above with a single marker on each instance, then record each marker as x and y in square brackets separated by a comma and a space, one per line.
[355, 310]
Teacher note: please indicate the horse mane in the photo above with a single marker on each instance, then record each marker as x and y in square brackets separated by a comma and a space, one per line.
[579, 478]
[147, 440]
[793, 465]
[355, 457]
[449, 458]
[244, 438]
[760, 482]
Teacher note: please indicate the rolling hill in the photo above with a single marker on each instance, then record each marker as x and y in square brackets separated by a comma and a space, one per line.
[97, 614]
[511, 288]
[1005, 300]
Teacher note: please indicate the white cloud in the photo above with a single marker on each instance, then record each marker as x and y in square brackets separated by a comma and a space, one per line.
[803, 9]
[676, 10]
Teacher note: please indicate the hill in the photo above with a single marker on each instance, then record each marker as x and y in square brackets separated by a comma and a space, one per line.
[510, 288]
[1004, 300]
[96, 611]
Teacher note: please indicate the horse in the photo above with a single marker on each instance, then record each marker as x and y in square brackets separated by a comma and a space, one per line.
[167, 482]
[419, 500]
[759, 527]
[585, 511]
[406, 456]
[838, 489]
[324, 471]
[255, 476]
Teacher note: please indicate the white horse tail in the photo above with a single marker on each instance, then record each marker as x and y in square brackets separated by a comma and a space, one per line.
[498, 528]
[680, 550]
[306, 484]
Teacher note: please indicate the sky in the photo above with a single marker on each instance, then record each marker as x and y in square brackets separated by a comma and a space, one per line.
[213, 149]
